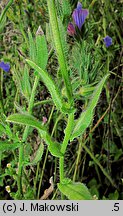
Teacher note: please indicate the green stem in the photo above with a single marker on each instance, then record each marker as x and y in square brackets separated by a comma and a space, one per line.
[48, 101]
[59, 48]
[21, 151]
[65, 143]
[36, 178]
[31, 104]
[41, 177]
[61, 168]
[46, 155]
[25, 135]
[5, 10]
[67, 132]
[77, 160]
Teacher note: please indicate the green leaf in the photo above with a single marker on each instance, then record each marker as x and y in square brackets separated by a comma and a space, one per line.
[50, 84]
[32, 48]
[75, 191]
[38, 156]
[41, 49]
[26, 119]
[5, 10]
[25, 84]
[29, 120]
[63, 36]
[6, 146]
[87, 115]
[2, 24]
[66, 8]
[54, 147]
[52, 87]
[2, 129]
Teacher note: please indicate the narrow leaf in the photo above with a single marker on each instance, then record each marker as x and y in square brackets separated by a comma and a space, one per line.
[27, 120]
[32, 49]
[25, 84]
[75, 191]
[49, 84]
[87, 115]
[41, 49]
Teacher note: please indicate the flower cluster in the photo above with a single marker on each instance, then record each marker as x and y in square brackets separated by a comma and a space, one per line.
[79, 15]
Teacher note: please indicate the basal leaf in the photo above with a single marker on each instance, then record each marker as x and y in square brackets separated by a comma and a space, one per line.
[75, 191]
[86, 117]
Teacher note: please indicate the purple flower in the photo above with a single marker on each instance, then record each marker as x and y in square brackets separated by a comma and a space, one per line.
[5, 66]
[79, 15]
[107, 41]
[71, 29]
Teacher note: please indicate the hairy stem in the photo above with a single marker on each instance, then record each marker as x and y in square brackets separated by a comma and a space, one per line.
[65, 143]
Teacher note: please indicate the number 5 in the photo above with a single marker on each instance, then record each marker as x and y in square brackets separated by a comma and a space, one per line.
[116, 207]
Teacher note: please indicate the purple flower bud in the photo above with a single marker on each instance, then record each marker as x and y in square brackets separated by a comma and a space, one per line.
[5, 66]
[44, 119]
[107, 41]
[79, 15]
[79, 6]
[71, 29]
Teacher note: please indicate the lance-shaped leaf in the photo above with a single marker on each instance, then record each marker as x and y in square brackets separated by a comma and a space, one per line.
[86, 117]
[25, 83]
[75, 191]
[7, 146]
[41, 49]
[29, 120]
[26, 119]
[53, 89]
[32, 48]
[50, 84]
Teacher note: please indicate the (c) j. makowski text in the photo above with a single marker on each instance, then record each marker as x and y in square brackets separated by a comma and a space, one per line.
[35, 207]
